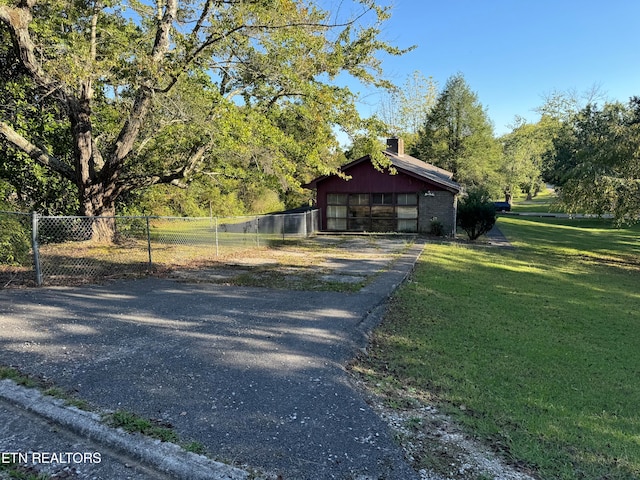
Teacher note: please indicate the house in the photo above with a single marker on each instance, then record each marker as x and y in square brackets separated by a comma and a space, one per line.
[407, 200]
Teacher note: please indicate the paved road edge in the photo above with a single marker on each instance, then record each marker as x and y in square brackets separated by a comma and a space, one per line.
[162, 456]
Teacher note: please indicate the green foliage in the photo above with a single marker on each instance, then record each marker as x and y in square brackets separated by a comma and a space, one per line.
[18, 377]
[44, 122]
[596, 161]
[17, 471]
[15, 232]
[133, 423]
[405, 109]
[195, 447]
[15, 241]
[458, 136]
[234, 95]
[436, 228]
[476, 213]
[367, 145]
[525, 155]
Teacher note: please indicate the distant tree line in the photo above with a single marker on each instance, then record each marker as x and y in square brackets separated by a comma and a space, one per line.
[587, 151]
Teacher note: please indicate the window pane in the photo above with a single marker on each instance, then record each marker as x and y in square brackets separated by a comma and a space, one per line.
[336, 223]
[382, 199]
[407, 226]
[359, 224]
[336, 211]
[379, 211]
[407, 212]
[359, 211]
[359, 199]
[383, 224]
[407, 199]
[337, 198]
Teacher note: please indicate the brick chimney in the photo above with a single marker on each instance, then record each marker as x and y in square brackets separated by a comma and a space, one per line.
[395, 145]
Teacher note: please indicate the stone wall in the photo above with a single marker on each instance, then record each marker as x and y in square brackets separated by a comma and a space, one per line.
[437, 205]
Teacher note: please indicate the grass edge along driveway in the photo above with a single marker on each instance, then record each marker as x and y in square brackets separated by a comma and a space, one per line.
[535, 351]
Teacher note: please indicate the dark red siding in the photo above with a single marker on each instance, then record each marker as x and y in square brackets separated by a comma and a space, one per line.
[366, 179]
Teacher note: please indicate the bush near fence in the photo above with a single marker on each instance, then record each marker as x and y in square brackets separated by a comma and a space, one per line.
[64, 249]
[15, 238]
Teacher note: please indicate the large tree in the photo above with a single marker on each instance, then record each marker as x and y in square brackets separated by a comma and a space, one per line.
[458, 136]
[149, 93]
[525, 155]
[404, 109]
[596, 161]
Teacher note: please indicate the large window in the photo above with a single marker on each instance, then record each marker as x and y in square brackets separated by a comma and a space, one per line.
[375, 212]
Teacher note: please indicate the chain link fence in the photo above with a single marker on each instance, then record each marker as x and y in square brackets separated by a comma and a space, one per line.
[64, 250]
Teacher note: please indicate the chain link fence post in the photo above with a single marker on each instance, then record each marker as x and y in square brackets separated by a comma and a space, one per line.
[35, 247]
[149, 243]
[216, 225]
[305, 221]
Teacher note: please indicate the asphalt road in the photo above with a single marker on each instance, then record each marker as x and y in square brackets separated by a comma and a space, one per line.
[256, 375]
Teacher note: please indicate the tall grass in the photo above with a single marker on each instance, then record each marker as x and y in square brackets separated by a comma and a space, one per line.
[535, 350]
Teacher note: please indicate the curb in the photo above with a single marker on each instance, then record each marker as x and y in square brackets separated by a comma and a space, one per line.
[161, 456]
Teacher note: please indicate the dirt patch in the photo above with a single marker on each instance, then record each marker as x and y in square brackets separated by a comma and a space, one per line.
[323, 262]
[320, 263]
[434, 444]
[16, 277]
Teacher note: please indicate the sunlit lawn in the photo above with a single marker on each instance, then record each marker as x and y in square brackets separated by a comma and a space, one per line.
[536, 350]
[544, 202]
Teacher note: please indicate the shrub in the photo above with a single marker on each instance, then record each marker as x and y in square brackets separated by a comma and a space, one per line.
[15, 241]
[476, 213]
[437, 228]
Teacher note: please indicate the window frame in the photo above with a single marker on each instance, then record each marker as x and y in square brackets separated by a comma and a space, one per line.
[359, 211]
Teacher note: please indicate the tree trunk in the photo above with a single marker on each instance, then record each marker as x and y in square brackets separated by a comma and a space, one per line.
[95, 199]
[94, 203]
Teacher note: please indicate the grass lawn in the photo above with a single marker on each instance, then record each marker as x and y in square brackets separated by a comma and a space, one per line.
[535, 350]
[543, 202]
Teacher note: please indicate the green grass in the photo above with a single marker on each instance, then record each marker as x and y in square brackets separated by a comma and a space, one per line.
[543, 202]
[134, 423]
[18, 377]
[16, 471]
[46, 387]
[535, 350]
[130, 422]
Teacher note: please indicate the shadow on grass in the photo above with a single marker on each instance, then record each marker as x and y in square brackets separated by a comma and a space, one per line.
[532, 348]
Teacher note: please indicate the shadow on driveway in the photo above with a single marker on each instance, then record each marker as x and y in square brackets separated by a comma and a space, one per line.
[254, 374]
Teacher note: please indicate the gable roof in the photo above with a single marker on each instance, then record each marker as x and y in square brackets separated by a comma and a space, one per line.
[408, 165]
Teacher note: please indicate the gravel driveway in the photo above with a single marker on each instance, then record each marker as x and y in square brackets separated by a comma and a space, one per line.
[254, 374]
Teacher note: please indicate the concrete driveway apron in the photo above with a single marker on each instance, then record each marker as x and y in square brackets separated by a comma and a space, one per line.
[255, 374]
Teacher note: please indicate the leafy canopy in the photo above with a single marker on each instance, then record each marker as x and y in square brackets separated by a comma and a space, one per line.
[458, 136]
[140, 93]
[596, 161]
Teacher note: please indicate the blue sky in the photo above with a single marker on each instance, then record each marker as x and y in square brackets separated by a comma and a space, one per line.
[513, 52]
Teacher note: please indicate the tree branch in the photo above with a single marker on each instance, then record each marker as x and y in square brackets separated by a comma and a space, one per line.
[177, 177]
[142, 103]
[17, 19]
[36, 153]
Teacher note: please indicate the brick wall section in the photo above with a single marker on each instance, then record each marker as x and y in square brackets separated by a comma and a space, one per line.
[441, 207]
